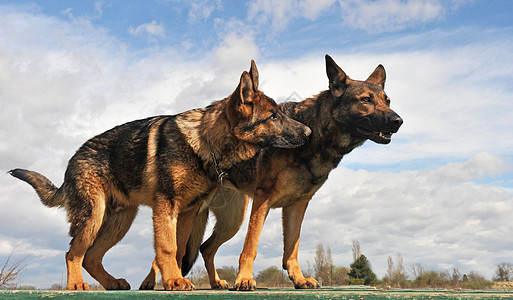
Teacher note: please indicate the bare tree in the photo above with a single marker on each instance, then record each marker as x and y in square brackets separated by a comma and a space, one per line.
[416, 271]
[395, 275]
[399, 274]
[329, 265]
[456, 276]
[199, 277]
[11, 272]
[323, 265]
[356, 250]
[504, 272]
[308, 272]
[390, 271]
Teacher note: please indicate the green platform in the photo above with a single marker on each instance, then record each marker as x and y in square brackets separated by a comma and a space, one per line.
[349, 292]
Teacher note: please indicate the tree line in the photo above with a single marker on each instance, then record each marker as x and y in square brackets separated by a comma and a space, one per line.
[397, 276]
[359, 272]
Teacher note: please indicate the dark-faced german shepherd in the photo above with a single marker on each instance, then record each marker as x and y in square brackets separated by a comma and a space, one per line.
[341, 118]
[170, 163]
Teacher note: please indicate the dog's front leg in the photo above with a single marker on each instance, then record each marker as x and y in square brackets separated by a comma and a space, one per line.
[292, 216]
[165, 219]
[259, 211]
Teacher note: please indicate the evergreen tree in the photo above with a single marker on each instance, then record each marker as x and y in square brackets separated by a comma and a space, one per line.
[361, 269]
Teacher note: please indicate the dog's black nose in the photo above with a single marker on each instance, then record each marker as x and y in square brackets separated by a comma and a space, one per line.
[395, 121]
[398, 121]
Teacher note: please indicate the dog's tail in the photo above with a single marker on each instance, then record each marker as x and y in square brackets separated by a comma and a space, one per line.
[194, 242]
[45, 189]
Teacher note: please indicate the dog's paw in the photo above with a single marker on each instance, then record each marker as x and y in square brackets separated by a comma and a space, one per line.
[306, 283]
[147, 284]
[179, 284]
[219, 285]
[247, 284]
[119, 284]
[78, 286]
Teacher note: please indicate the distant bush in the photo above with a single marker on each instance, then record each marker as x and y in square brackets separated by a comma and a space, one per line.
[25, 288]
[273, 277]
[227, 273]
[476, 285]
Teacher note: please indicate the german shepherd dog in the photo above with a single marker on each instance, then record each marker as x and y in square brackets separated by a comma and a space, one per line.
[341, 118]
[170, 163]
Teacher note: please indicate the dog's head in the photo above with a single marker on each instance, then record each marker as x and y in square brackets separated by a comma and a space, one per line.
[362, 106]
[257, 119]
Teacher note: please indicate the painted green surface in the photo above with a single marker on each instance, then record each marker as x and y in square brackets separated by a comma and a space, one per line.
[349, 293]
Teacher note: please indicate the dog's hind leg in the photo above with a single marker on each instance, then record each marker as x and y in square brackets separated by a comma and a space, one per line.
[115, 226]
[151, 279]
[183, 232]
[229, 208]
[195, 239]
[85, 214]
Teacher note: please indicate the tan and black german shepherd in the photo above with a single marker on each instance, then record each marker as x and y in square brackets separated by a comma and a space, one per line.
[170, 163]
[341, 118]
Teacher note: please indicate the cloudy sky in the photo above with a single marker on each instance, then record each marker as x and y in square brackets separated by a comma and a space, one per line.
[441, 193]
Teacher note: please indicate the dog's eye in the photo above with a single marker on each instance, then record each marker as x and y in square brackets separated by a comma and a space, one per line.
[273, 116]
[387, 101]
[366, 100]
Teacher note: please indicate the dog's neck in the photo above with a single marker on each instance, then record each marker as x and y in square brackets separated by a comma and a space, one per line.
[209, 134]
[335, 138]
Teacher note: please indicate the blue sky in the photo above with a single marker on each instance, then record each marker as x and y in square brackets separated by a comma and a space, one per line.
[441, 193]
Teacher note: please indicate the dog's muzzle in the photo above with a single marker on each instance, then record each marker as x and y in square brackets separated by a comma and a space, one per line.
[383, 135]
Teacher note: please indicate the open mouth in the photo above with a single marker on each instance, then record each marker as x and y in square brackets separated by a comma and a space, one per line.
[382, 137]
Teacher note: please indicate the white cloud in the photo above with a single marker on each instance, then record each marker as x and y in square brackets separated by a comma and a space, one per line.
[479, 166]
[202, 10]
[369, 15]
[235, 51]
[228, 60]
[312, 9]
[98, 8]
[150, 29]
[280, 13]
[389, 15]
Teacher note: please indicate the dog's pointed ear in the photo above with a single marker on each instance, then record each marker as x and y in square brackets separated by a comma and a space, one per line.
[337, 78]
[378, 77]
[246, 88]
[253, 72]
